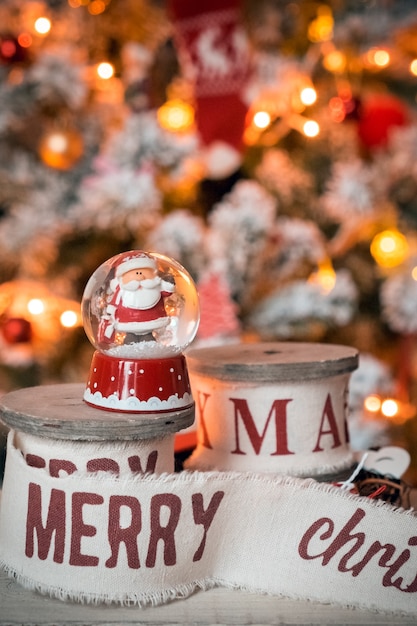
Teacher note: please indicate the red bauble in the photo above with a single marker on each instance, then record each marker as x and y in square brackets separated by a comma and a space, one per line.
[16, 330]
[11, 51]
[378, 116]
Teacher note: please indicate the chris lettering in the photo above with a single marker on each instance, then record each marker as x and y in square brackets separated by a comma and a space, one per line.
[148, 539]
[342, 547]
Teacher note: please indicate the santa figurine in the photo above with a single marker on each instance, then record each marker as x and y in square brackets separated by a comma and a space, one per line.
[137, 305]
[140, 311]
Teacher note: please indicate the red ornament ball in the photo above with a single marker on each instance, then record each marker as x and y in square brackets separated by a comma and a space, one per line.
[378, 116]
[17, 330]
[11, 51]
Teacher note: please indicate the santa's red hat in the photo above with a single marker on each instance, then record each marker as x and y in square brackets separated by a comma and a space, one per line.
[138, 261]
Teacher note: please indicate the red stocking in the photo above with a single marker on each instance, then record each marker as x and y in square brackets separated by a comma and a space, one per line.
[213, 50]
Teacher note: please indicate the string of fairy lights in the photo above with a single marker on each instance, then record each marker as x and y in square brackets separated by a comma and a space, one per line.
[268, 120]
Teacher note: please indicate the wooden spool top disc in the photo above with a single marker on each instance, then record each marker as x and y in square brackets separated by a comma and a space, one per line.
[273, 362]
[59, 412]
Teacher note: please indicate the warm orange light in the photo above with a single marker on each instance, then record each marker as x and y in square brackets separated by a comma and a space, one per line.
[389, 248]
[176, 115]
[413, 67]
[96, 7]
[311, 128]
[58, 142]
[321, 28]
[389, 408]
[105, 70]
[61, 149]
[42, 25]
[308, 96]
[373, 403]
[36, 306]
[69, 319]
[335, 62]
[324, 277]
[379, 57]
[382, 58]
[25, 40]
[46, 314]
[262, 119]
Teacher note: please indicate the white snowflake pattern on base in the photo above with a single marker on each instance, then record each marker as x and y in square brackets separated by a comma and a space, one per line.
[134, 404]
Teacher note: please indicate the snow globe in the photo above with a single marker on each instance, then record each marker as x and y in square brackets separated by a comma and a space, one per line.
[140, 311]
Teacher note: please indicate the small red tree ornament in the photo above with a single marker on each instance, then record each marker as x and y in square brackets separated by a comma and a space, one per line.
[218, 312]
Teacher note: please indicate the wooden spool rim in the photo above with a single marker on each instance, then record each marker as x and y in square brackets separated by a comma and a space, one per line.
[59, 412]
[273, 362]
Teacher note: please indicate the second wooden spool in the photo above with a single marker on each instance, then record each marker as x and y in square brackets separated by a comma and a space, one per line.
[272, 407]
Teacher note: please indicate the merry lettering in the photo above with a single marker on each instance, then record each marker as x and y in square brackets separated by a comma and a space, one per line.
[59, 467]
[162, 518]
[352, 552]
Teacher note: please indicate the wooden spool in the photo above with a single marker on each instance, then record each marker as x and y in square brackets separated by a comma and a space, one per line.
[272, 407]
[273, 362]
[54, 428]
[59, 412]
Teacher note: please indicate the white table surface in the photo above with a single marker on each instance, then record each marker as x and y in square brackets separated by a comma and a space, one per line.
[19, 606]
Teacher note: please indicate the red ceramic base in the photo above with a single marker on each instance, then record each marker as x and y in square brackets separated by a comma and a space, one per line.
[138, 385]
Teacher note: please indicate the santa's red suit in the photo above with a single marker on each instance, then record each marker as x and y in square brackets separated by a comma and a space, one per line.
[138, 311]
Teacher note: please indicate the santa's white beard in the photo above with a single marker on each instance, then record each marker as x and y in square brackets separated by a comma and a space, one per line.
[141, 294]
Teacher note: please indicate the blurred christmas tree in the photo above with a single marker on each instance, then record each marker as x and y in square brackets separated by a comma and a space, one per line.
[269, 146]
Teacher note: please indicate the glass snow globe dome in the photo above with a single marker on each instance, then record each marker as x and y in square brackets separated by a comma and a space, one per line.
[140, 305]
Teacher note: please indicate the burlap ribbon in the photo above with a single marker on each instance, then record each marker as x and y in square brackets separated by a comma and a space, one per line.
[144, 539]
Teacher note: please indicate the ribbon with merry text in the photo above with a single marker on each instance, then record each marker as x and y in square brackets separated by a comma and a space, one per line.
[145, 539]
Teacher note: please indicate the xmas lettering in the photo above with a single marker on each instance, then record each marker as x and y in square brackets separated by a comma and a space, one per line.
[257, 427]
[350, 551]
[149, 539]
